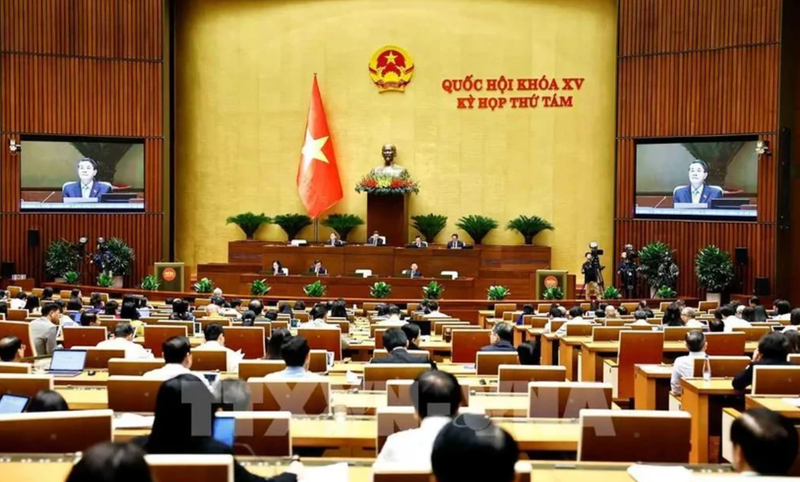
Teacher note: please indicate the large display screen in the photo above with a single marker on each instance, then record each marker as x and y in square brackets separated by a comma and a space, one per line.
[81, 175]
[696, 179]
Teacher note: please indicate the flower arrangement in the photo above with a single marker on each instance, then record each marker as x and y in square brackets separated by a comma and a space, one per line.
[387, 185]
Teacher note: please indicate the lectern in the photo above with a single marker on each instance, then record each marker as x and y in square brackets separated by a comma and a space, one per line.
[171, 276]
[388, 214]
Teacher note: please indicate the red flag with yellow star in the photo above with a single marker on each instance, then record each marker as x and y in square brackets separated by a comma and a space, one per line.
[318, 177]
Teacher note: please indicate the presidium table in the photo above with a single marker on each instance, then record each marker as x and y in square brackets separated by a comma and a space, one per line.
[478, 268]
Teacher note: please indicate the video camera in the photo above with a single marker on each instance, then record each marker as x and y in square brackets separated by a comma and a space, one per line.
[595, 250]
[630, 253]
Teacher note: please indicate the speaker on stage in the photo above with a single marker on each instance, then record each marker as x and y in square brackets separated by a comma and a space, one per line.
[762, 286]
[33, 238]
[7, 269]
[741, 256]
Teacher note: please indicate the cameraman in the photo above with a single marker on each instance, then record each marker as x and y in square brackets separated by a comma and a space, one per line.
[627, 274]
[591, 276]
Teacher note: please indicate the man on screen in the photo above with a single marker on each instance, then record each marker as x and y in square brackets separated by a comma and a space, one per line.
[87, 187]
[697, 192]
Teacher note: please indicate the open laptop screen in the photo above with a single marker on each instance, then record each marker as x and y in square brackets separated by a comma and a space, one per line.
[12, 403]
[68, 361]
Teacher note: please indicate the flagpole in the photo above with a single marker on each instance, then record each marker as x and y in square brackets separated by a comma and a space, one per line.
[316, 230]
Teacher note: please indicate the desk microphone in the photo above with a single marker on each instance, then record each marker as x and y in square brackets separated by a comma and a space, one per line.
[48, 197]
[659, 202]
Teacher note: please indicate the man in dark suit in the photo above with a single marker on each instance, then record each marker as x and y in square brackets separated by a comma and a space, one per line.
[334, 241]
[396, 343]
[414, 272]
[87, 187]
[761, 312]
[317, 269]
[376, 239]
[773, 349]
[454, 243]
[502, 338]
[418, 243]
[697, 192]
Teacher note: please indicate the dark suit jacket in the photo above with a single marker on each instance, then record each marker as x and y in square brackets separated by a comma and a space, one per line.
[455, 244]
[415, 274]
[422, 244]
[73, 189]
[501, 345]
[745, 379]
[683, 194]
[375, 241]
[338, 242]
[207, 445]
[761, 313]
[321, 271]
[280, 273]
[400, 355]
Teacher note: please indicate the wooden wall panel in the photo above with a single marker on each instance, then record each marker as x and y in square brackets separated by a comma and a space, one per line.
[121, 29]
[699, 68]
[139, 230]
[81, 68]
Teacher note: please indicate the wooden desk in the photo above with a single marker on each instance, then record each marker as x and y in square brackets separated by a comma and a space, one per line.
[651, 386]
[774, 403]
[696, 400]
[568, 349]
[549, 344]
[483, 315]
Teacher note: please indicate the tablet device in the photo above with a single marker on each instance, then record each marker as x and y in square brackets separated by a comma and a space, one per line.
[10, 404]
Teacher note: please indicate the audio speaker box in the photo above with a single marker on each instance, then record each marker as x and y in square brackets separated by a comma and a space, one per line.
[762, 286]
[33, 238]
[741, 255]
[7, 269]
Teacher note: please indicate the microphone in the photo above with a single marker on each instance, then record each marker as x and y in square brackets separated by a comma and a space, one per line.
[659, 202]
[48, 197]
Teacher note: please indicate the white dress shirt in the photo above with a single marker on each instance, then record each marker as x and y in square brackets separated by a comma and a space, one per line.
[575, 321]
[318, 323]
[697, 193]
[785, 316]
[436, 314]
[132, 350]
[232, 359]
[86, 189]
[17, 304]
[683, 368]
[292, 372]
[172, 370]
[732, 322]
[694, 324]
[411, 449]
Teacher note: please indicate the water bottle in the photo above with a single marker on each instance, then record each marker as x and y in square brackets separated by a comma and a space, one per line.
[707, 370]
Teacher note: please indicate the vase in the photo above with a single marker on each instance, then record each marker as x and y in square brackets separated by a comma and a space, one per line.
[60, 280]
[714, 297]
[652, 292]
[116, 282]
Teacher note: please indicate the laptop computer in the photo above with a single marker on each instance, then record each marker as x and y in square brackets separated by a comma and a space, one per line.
[67, 363]
[10, 404]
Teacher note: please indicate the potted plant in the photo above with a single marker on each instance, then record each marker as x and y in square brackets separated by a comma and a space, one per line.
[259, 287]
[114, 256]
[71, 277]
[204, 285]
[62, 256]
[292, 224]
[553, 293]
[666, 292]
[714, 269]
[611, 293]
[497, 293]
[429, 225]
[476, 226]
[249, 222]
[150, 283]
[380, 290]
[529, 226]
[433, 291]
[343, 224]
[657, 266]
[105, 280]
[315, 289]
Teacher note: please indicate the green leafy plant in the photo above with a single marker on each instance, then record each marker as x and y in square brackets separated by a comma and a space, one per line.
[666, 292]
[105, 280]
[429, 225]
[150, 283]
[71, 277]
[292, 224]
[116, 259]
[529, 226]
[204, 285]
[380, 290]
[62, 256]
[657, 265]
[476, 226]
[343, 223]
[433, 291]
[259, 287]
[249, 222]
[714, 269]
[315, 289]
[611, 293]
[497, 292]
[553, 293]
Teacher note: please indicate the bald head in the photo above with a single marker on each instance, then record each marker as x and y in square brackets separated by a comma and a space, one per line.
[436, 392]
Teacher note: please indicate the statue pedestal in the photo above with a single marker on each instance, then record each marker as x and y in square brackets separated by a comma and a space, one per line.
[389, 216]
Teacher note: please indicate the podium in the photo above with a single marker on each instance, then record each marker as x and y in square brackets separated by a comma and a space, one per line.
[171, 276]
[388, 215]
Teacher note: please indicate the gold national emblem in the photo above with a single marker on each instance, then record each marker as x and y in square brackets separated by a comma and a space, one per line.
[391, 68]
